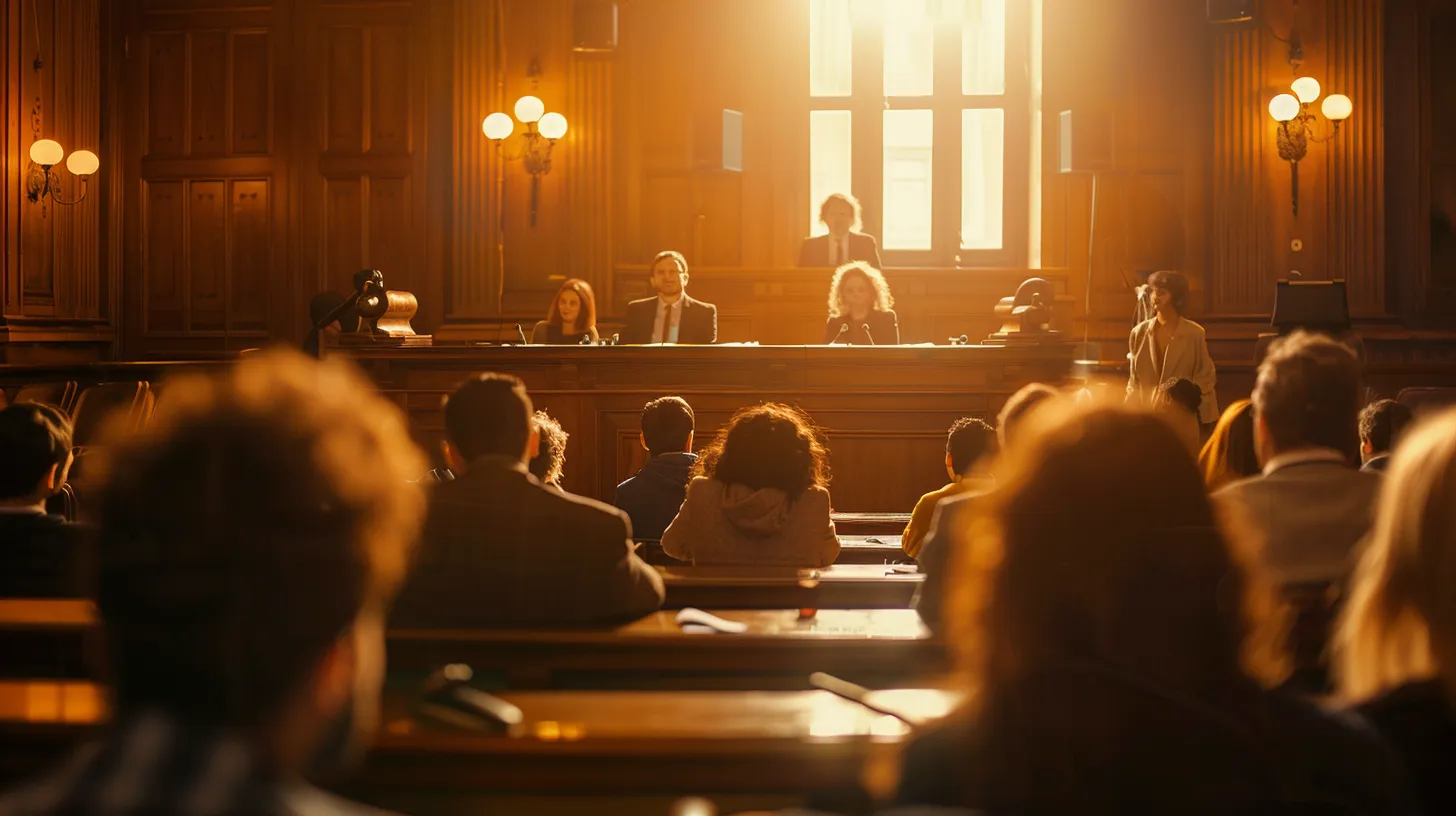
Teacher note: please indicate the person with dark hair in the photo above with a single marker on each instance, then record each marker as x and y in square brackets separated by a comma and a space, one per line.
[572, 316]
[1169, 346]
[859, 308]
[759, 497]
[670, 316]
[41, 555]
[941, 546]
[968, 448]
[550, 457]
[503, 550]
[251, 538]
[1381, 424]
[1178, 400]
[1309, 505]
[1120, 651]
[653, 495]
[1229, 453]
[840, 213]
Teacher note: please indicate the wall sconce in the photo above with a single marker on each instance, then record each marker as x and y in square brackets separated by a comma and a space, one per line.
[1296, 121]
[542, 131]
[41, 179]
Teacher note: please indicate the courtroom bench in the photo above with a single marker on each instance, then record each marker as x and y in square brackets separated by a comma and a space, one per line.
[841, 586]
[853, 549]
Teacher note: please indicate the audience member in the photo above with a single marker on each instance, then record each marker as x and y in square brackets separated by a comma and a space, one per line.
[251, 539]
[572, 316]
[501, 549]
[550, 457]
[1229, 453]
[1170, 346]
[859, 308]
[1310, 505]
[940, 546]
[41, 555]
[1119, 647]
[652, 496]
[1395, 648]
[1177, 400]
[670, 316]
[1381, 424]
[968, 448]
[759, 495]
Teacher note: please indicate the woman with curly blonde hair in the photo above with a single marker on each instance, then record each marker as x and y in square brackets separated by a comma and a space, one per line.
[859, 308]
[1395, 646]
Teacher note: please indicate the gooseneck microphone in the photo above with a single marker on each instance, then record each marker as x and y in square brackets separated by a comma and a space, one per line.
[843, 329]
[865, 327]
[520, 332]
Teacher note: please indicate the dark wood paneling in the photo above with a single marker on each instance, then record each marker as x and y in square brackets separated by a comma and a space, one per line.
[207, 256]
[251, 256]
[208, 64]
[251, 83]
[166, 94]
[165, 264]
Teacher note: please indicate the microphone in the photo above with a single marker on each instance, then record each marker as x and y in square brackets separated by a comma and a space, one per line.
[865, 327]
[520, 332]
[843, 328]
[585, 340]
[616, 338]
[960, 341]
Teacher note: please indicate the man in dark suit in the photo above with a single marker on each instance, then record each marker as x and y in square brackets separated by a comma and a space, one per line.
[502, 550]
[1381, 424]
[40, 555]
[671, 316]
[840, 213]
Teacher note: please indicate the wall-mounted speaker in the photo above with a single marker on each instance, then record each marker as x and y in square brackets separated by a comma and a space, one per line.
[1085, 143]
[1231, 11]
[593, 25]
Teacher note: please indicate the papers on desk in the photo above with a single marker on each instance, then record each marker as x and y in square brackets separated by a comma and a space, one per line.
[696, 621]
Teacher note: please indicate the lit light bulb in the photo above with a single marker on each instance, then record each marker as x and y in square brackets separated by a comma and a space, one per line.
[1283, 107]
[47, 152]
[1306, 88]
[552, 125]
[498, 126]
[82, 163]
[1337, 107]
[529, 109]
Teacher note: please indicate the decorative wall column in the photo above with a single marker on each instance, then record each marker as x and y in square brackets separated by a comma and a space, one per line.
[1239, 230]
[1355, 162]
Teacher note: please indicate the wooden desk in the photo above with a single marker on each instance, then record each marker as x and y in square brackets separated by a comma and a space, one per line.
[876, 648]
[842, 586]
[870, 524]
[871, 549]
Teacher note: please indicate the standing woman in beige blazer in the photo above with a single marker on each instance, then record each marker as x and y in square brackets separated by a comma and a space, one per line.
[1170, 346]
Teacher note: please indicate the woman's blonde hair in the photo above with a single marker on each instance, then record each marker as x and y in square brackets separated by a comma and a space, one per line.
[1399, 623]
[883, 300]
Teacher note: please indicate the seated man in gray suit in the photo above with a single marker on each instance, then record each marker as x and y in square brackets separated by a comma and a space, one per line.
[502, 550]
[936, 557]
[1310, 507]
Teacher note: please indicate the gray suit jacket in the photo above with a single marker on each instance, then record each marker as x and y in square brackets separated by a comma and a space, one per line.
[501, 550]
[1308, 516]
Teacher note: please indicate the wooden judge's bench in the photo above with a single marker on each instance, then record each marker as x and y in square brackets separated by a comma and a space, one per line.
[884, 411]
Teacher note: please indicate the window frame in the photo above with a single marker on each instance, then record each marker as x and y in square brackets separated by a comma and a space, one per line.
[866, 104]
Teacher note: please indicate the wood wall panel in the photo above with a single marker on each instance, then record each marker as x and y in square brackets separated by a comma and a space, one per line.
[251, 84]
[166, 95]
[344, 230]
[389, 72]
[344, 88]
[1354, 161]
[208, 68]
[164, 256]
[207, 255]
[251, 256]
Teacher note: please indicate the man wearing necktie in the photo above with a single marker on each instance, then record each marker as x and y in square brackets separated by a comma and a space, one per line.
[841, 214]
[671, 316]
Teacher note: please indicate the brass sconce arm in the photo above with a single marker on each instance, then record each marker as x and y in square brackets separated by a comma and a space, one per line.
[42, 181]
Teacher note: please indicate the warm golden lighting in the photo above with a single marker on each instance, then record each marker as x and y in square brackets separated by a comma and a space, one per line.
[529, 109]
[83, 163]
[552, 126]
[1337, 107]
[498, 126]
[46, 152]
[1283, 107]
[1306, 88]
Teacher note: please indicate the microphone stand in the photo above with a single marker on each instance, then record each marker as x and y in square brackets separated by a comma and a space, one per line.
[865, 327]
[843, 327]
[520, 332]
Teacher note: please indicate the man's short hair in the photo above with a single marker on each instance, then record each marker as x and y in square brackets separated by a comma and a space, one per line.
[970, 440]
[1018, 406]
[1307, 393]
[667, 424]
[550, 456]
[489, 414]
[1176, 284]
[1381, 424]
[1181, 392]
[677, 257]
[33, 439]
[245, 530]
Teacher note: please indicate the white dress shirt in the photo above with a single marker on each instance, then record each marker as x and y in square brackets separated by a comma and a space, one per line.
[669, 317]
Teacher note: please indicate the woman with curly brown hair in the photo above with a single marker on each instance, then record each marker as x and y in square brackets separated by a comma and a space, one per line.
[759, 495]
[859, 308]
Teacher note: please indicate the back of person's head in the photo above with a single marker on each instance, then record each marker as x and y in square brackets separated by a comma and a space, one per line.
[1399, 624]
[1101, 549]
[34, 440]
[489, 414]
[250, 540]
[667, 425]
[1307, 395]
[970, 440]
[1381, 424]
[1018, 406]
[767, 446]
[1229, 453]
[550, 458]
[1179, 392]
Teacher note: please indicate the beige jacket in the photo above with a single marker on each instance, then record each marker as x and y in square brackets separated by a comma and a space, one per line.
[1185, 358]
[736, 524]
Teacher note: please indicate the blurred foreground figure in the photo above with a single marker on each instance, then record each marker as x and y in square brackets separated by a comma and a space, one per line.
[250, 542]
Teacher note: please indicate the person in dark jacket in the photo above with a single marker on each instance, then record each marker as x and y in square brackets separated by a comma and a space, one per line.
[859, 308]
[671, 315]
[1381, 424]
[652, 497]
[41, 555]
